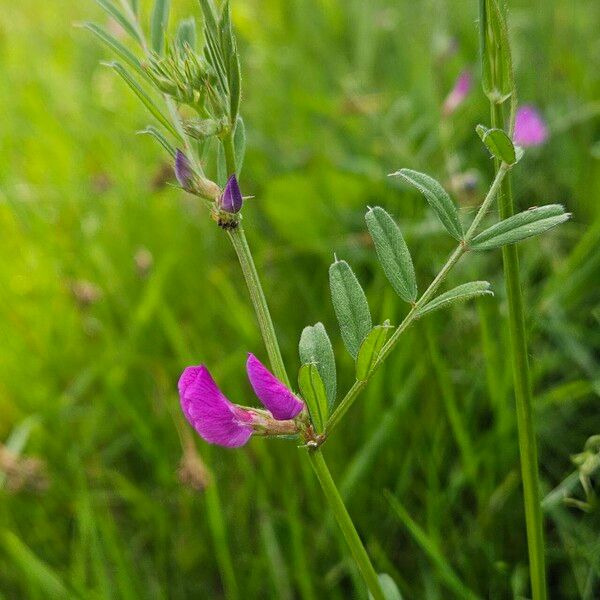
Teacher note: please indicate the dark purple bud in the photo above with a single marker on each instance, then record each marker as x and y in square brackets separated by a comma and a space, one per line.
[183, 171]
[232, 200]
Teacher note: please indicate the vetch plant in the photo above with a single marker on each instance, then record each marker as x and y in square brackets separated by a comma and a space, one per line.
[194, 94]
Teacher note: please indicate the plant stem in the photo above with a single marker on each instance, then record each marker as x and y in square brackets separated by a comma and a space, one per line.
[413, 314]
[346, 525]
[523, 396]
[259, 301]
[267, 329]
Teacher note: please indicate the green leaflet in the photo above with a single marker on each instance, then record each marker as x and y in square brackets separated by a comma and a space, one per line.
[186, 33]
[123, 21]
[158, 26]
[313, 392]
[143, 96]
[370, 350]
[116, 47]
[239, 144]
[496, 60]
[461, 293]
[437, 197]
[392, 252]
[518, 227]
[160, 138]
[315, 347]
[350, 305]
[498, 143]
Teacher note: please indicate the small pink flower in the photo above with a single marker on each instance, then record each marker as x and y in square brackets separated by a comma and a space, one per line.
[459, 92]
[530, 128]
[282, 403]
[210, 413]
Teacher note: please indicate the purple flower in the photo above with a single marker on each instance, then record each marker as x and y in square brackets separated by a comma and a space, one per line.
[282, 403]
[530, 128]
[458, 93]
[183, 171]
[210, 413]
[219, 421]
[231, 200]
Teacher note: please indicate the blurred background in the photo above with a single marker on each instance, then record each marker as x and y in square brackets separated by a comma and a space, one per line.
[112, 281]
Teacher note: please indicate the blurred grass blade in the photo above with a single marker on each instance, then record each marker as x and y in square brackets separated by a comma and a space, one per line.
[186, 33]
[143, 96]
[389, 588]
[428, 546]
[121, 19]
[36, 571]
[315, 347]
[370, 350]
[498, 143]
[350, 305]
[461, 293]
[392, 252]
[520, 226]
[158, 26]
[437, 197]
[313, 392]
[160, 138]
[116, 47]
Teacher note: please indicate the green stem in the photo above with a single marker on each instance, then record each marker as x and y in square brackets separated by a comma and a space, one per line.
[240, 244]
[413, 315]
[523, 395]
[346, 525]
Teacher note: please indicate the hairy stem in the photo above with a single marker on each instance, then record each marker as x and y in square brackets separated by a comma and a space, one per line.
[413, 315]
[523, 395]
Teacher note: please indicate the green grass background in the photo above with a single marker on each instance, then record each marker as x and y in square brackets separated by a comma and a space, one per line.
[336, 95]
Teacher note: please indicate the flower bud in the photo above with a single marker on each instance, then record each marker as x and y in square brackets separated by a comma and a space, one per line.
[183, 171]
[231, 200]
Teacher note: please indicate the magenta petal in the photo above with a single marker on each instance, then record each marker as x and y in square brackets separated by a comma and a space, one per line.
[209, 412]
[458, 93]
[530, 128]
[282, 403]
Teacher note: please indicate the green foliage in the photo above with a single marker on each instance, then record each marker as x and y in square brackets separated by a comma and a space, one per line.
[333, 98]
[521, 226]
[158, 27]
[313, 392]
[350, 305]
[437, 197]
[370, 350]
[315, 347]
[497, 70]
[461, 293]
[498, 143]
[393, 253]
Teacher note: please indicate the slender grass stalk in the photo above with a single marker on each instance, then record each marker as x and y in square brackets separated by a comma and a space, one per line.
[523, 395]
[493, 54]
[259, 302]
[412, 315]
